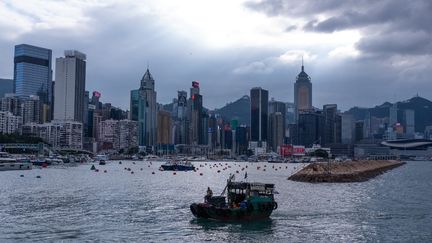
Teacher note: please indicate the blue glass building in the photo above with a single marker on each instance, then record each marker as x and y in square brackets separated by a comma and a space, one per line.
[32, 72]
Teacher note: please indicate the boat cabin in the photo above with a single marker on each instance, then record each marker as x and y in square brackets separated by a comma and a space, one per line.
[240, 191]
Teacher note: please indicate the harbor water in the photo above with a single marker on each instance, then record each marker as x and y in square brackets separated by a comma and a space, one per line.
[73, 203]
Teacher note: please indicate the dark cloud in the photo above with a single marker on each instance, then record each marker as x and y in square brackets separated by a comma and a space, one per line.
[403, 25]
[120, 43]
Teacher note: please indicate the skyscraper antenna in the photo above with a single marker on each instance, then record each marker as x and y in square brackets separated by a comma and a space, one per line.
[302, 64]
[147, 64]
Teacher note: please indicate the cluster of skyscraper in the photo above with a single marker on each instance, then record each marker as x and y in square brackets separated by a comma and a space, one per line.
[61, 112]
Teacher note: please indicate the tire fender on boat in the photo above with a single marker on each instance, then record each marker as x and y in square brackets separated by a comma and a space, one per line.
[275, 205]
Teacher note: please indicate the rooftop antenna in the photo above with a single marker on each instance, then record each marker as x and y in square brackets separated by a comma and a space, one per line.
[147, 64]
[302, 64]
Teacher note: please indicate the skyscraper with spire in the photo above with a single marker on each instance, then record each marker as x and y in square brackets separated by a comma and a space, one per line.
[302, 92]
[147, 111]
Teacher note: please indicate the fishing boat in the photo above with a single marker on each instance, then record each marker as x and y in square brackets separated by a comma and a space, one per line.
[245, 201]
[176, 165]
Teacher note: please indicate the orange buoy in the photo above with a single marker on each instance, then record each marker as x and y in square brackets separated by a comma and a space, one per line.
[153, 173]
[132, 172]
[201, 174]
[237, 171]
[264, 170]
[141, 168]
[97, 170]
[105, 171]
[174, 173]
[218, 171]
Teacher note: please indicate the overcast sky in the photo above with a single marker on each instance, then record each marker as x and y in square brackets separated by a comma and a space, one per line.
[357, 52]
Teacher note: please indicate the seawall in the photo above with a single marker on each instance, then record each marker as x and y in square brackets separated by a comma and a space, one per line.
[353, 171]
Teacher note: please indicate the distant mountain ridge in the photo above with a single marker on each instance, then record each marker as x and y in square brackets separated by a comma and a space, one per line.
[239, 110]
[422, 111]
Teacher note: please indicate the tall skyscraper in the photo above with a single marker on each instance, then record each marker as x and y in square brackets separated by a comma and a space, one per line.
[348, 129]
[259, 114]
[277, 106]
[134, 103]
[332, 124]
[147, 111]
[276, 130]
[33, 74]
[164, 128]
[198, 118]
[409, 122]
[70, 86]
[310, 128]
[302, 93]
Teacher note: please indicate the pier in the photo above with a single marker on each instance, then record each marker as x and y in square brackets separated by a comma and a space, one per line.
[353, 171]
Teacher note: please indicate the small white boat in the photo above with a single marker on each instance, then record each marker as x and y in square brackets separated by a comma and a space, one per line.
[9, 163]
[151, 158]
[101, 157]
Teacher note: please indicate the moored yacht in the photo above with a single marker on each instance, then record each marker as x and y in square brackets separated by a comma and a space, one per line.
[9, 163]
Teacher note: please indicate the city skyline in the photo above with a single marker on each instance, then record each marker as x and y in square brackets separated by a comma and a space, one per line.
[338, 47]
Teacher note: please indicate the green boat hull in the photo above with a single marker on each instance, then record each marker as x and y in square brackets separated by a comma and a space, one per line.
[255, 210]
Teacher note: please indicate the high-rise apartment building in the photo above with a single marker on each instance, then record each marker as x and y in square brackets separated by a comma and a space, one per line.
[10, 123]
[28, 107]
[69, 89]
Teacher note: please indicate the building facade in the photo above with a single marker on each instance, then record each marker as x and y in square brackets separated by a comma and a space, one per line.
[310, 128]
[6, 86]
[259, 114]
[332, 124]
[28, 107]
[259, 120]
[147, 111]
[164, 128]
[302, 93]
[33, 75]
[10, 123]
[69, 89]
